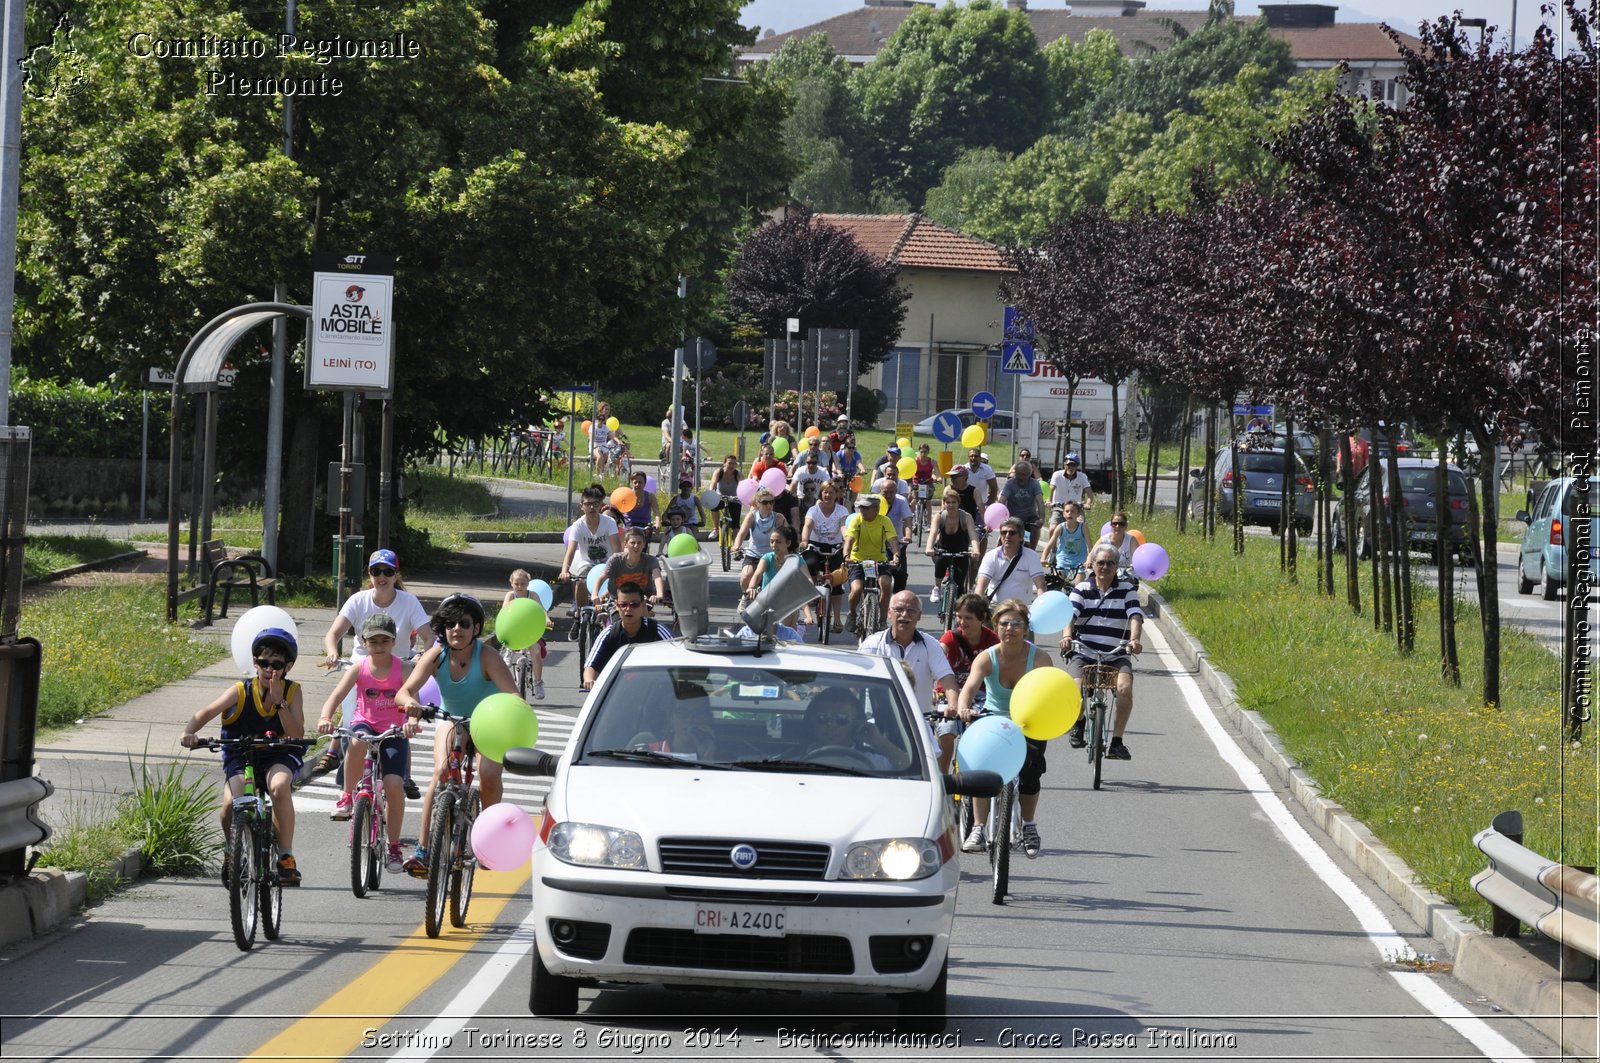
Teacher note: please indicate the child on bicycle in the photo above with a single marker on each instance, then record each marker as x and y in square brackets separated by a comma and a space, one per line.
[376, 679]
[267, 704]
[686, 505]
[520, 579]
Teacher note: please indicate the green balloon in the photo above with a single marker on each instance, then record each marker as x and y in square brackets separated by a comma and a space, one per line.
[502, 722]
[780, 446]
[682, 545]
[521, 623]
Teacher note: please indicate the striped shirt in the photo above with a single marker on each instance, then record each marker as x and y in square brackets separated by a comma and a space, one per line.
[614, 637]
[1100, 619]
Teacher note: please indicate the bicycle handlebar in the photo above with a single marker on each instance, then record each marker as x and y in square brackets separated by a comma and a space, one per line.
[1078, 649]
[258, 742]
[397, 731]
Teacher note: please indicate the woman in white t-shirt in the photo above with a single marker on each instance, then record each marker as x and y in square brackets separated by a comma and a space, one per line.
[822, 544]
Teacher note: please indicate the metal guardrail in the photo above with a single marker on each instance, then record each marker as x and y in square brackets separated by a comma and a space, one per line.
[1522, 887]
[20, 825]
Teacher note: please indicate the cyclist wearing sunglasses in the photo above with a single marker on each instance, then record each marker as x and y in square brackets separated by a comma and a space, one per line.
[466, 675]
[267, 704]
[1105, 613]
[1118, 537]
[631, 626]
[1012, 570]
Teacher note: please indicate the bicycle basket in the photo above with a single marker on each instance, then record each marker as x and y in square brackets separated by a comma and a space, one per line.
[1099, 677]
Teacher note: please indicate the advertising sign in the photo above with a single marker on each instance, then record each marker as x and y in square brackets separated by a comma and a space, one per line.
[351, 338]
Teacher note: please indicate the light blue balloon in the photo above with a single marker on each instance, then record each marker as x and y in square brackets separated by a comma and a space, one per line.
[544, 592]
[1050, 612]
[597, 575]
[992, 743]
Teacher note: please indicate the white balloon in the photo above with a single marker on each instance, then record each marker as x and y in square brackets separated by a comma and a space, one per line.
[252, 624]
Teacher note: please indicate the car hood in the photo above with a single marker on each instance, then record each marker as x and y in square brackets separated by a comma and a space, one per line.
[668, 801]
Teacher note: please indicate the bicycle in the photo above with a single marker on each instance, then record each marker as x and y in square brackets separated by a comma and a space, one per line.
[950, 588]
[369, 836]
[250, 861]
[869, 617]
[584, 630]
[520, 662]
[828, 557]
[451, 864]
[727, 528]
[1099, 684]
[998, 844]
[922, 510]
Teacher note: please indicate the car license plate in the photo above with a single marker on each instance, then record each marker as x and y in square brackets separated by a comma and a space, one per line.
[1425, 536]
[1269, 502]
[740, 919]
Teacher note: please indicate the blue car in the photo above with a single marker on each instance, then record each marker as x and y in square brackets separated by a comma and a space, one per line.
[1563, 512]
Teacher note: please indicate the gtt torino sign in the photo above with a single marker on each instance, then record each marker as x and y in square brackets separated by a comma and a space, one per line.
[352, 330]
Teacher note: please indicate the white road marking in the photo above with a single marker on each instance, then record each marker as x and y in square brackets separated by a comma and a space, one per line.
[1385, 939]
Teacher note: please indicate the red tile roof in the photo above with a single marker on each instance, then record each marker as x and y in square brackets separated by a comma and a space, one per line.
[912, 241]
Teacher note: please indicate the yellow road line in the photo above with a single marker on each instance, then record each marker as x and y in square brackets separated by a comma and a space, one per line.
[337, 1026]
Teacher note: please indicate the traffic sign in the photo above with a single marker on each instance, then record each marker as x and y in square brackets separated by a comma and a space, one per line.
[947, 427]
[1016, 357]
[1242, 410]
[983, 405]
[1018, 327]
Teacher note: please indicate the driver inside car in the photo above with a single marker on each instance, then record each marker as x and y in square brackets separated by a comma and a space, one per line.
[834, 720]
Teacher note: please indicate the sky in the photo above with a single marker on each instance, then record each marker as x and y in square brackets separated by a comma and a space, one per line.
[784, 15]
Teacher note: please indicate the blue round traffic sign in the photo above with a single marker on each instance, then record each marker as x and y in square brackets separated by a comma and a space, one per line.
[947, 427]
[983, 405]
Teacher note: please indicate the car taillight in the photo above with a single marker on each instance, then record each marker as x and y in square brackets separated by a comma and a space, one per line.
[1304, 481]
[1458, 503]
[1227, 479]
[1402, 448]
[1555, 531]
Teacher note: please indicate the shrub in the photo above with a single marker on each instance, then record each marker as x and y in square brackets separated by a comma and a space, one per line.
[78, 420]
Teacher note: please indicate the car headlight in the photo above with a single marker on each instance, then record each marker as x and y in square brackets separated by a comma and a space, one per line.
[894, 859]
[593, 845]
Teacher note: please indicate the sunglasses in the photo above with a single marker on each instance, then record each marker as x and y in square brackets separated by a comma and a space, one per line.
[462, 623]
[270, 664]
[628, 605]
[1012, 623]
[838, 719]
[381, 570]
[1119, 524]
[1105, 564]
[1008, 533]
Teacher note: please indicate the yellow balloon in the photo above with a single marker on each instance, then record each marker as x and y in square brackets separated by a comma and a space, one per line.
[1045, 703]
[907, 467]
[613, 424]
[972, 435]
[574, 402]
[903, 443]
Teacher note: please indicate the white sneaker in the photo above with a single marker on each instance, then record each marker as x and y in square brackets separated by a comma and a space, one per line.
[975, 842]
[538, 690]
[934, 597]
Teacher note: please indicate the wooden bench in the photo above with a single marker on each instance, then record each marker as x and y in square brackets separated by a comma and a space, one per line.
[227, 574]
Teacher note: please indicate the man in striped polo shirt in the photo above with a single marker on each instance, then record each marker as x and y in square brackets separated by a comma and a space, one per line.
[1105, 614]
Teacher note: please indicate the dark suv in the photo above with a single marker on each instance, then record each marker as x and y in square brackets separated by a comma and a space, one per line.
[1263, 487]
[1420, 507]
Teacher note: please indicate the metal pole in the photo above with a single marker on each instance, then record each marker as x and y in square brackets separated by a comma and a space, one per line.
[270, 495]
[144, 454]
[850, 385]
[699, 374]
[677, 389]
[572, 441]
[13, 47]
[385, 470]
[344, 500]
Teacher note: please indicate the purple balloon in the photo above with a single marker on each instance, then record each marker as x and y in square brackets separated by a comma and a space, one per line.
[1105, 530]
[649, 484]
[746, 491]
[774, 480]
[1150, 561]
[566, 536]
[995, 515]
[429, 694]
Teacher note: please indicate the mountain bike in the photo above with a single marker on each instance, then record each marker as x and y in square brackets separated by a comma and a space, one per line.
[869, 615]
[451, 864]
[250, 861]
[727, 529]
[1099, 686]
[369, 835]
[950, 588]
[829, 557]
[1002, 841]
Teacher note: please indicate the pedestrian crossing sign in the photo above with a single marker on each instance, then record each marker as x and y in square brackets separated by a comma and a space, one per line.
[1016, 357]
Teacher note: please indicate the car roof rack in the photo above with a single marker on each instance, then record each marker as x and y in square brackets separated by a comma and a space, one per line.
[729, 644]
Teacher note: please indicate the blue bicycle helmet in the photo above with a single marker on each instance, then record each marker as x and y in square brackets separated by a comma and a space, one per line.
[275, 636]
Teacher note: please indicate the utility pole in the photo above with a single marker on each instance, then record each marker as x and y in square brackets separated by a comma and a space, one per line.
[270, 495]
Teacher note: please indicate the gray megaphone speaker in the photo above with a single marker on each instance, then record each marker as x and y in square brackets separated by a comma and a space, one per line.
[789, 590]
[689, 580]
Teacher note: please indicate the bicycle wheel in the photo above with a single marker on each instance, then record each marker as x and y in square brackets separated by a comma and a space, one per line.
[947, 601]
[1097, 737]
[825, 614]
[270, 891]
[360, 844]
[1000, 841]
[440, 839]
[464, 865]
[242, 883]
[726, 538]
[584, 637]
[522, 674]
[378, 847]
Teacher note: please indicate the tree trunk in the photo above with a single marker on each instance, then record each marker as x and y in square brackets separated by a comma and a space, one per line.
[1208, 523]
[1406, 631]
[1348, 514]
[1449, 663]
[1288, 522]
[1152, 465]
[1378, 523]
[295, 535]
[1488, 563]
[1238, 491]
[1185, 442]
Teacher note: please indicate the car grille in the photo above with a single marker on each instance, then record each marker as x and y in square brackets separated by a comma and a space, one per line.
[796, 953]
[787, 860]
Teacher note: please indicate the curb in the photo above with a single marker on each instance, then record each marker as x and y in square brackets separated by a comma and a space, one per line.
[1505, 973]
[87, 566]
[38, 902]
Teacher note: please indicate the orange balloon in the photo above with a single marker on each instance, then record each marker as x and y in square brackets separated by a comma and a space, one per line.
[812, 432]
[586, 426]
[624, 499]
[1136, 535]
[855, 482]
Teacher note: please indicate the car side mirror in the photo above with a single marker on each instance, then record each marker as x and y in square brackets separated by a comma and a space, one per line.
[525, 761]
[973, 783]
[1524, 516]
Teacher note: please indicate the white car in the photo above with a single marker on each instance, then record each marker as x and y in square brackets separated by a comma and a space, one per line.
[1000, 425]
[747, 815]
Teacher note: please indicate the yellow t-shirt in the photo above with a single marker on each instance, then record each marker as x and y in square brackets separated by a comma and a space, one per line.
[869, 539]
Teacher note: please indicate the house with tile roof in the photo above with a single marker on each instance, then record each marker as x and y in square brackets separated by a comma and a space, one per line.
[1317, 41]
[950, 347]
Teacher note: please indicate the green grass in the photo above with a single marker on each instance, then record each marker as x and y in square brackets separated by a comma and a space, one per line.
[105, 645]
[1421, 763]
[45, 554]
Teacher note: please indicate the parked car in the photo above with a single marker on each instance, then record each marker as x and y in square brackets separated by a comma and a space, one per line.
[1000, 425]
[1554, 525]
[1419, 506]
[1362, 447]
[799, 837]
[1263, 470]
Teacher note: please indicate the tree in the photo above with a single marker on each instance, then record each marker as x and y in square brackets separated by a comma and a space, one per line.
[804, 267]
[963, 183]
[1079, 73]
[950, 79]
[822, 129]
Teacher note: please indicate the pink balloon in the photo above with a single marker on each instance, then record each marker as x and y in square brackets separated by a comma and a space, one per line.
[649, 484]
[502, 837]
[429, 694]
[995, 515]
[746, 491]
[1150, 561]
[774, 480]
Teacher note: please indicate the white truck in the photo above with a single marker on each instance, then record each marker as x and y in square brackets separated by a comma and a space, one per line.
[1042, 411]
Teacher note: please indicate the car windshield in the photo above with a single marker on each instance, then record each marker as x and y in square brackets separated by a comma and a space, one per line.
[1420, 481]
[1267, 462]
[746, 717]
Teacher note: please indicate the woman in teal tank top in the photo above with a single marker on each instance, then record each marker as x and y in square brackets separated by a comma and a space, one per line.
[996, 672]
[466, 676]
